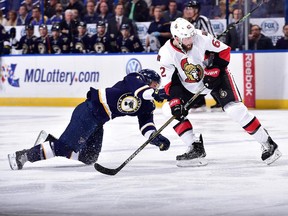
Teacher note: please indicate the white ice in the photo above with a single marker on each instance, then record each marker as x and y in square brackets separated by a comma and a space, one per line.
[235, 182]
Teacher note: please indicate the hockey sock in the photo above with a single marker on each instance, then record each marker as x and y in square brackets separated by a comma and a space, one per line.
[239, 113]
[41, 152]
[184, 129]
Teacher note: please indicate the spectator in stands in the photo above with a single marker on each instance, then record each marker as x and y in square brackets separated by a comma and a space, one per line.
[23, 17]
[159, 30]
[37, 18]
[50, 9]
[161, 3]
[58, 17]
[104, 14]
[258, 41]
[90, 16]
[110, 4]
[119, 19]
[43, 43]
[172, 13]
[261, 12]
[27, 42]
[137, 10]
[235, 38]
[128, 43]
[220, 12]
[75, 16]
[68, 25]
[82, 41]
[101, 41]
[3, 20]
[12, 18]
[78, 5]
[282, 43]
[29, 6]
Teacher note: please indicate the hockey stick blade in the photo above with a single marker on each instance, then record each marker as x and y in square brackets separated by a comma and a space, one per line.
[112, 172]
[105, 170]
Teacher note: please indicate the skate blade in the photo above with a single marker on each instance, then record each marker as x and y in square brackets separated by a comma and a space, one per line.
[12, 161]
[277, 154]
[197, 162]
[41, 137]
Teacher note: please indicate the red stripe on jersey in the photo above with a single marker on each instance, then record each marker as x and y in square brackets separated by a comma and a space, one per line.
[252, 126]
[225, 54]
[233, 86]
[167, 88]
[182, 127]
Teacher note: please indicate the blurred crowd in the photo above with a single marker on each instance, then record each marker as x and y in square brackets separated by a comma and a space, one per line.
[115, 21]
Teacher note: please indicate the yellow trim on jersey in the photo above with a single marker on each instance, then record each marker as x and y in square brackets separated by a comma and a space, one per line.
[146, 125]
[103, 101]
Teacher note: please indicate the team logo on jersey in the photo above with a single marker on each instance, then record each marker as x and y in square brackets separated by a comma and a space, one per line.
[223, 94]
[128, 104]
[99, 47]
[133, 65]
[194, 73]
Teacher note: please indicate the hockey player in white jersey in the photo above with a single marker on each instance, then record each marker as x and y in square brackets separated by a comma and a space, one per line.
[193, 59]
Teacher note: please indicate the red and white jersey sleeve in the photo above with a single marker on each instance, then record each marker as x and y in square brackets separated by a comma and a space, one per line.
[190, 66]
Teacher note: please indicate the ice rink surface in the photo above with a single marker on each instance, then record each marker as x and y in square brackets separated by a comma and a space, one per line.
[235, 182]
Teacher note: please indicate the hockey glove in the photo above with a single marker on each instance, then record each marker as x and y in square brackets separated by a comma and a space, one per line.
[159, 95]
[211, 79]
[162, 142]
[177, 109]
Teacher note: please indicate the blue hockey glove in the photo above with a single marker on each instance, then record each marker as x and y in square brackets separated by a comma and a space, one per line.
[159, 95]
[155, 34]
[211, 79]
[162, 142]
[177, 109]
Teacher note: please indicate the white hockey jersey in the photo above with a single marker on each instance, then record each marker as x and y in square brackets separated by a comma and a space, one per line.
[190, 66]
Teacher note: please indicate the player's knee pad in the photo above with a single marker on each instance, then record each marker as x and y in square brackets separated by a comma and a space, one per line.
[238, 112]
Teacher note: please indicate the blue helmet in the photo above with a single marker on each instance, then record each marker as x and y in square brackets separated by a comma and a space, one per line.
[150, 75]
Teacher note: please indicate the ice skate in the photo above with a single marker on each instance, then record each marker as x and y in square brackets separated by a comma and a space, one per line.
[270, 152]
[17, 159]
[194, 155]
[41, 137]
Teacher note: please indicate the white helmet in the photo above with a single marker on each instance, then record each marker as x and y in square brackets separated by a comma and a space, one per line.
[182, 28]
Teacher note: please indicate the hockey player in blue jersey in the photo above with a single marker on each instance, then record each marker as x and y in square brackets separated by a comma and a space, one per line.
[82, 139]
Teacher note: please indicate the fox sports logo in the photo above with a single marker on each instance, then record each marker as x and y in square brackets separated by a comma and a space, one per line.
[133, 65]
[269, 27]
[218, 27]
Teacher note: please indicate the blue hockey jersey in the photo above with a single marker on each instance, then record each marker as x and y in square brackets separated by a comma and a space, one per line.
[125, 98]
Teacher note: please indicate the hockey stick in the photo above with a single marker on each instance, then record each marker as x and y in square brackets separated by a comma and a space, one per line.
[240, 20]
[108, 171]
